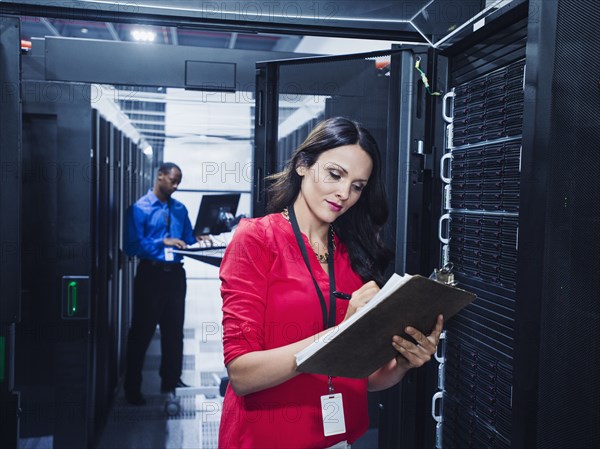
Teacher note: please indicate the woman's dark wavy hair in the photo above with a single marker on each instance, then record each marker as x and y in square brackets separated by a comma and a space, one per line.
[360, 227]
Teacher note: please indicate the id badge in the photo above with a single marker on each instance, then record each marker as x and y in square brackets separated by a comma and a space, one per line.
[333, 414]
[169, 257]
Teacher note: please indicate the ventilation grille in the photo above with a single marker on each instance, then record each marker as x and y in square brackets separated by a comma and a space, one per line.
[569, 391]
[490, 107]
[486, 177]
[483, 202]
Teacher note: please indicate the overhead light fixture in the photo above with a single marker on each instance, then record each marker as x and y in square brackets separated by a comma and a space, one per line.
[143, 35]
[84, 31]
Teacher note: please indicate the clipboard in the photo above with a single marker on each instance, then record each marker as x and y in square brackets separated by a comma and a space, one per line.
[363, 343]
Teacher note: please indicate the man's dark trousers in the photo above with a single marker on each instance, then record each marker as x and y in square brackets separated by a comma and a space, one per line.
[158, 298]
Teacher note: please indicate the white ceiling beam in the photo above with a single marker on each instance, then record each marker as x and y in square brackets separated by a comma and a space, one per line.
[147, 122]
[142, 112]
[113, 32]
[174, 36]
[232, 40]
[50, 27]
[287, 43]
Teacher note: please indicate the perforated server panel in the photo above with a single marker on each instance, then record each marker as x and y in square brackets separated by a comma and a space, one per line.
[557, 361]
[482, 206]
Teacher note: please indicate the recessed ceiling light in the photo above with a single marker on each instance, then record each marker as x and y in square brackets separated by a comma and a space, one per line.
[84, 31]
[143, 35]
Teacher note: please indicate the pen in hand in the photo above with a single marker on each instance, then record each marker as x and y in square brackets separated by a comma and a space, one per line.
[341, 295]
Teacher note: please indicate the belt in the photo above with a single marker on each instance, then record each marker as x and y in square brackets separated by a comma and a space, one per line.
[164, 266]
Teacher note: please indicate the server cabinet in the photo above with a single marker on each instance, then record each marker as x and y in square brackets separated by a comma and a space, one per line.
[478, 233]
[53, 339]
[10, 230]
[80, 173]
[120, 177]
[558, 283]
[519, 207]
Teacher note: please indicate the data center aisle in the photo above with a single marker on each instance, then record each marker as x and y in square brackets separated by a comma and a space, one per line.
[196, 424]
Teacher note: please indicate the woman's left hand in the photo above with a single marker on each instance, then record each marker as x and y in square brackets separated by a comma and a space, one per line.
[411, 355]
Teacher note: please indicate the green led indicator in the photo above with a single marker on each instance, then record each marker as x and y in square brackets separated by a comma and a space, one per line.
[2, 358]
[72, 298]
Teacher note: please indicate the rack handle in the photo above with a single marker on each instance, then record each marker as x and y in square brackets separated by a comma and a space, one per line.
[441, 349]
[445, 158]
[445, 102]
[436, 397]
[444, 240]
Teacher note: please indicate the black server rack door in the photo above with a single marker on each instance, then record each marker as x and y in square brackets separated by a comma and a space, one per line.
[113, 187]
[102, 263]
[557, 391]
[130, 190]
[351, 85]
[53, 347]
[10, 161]
[10, 229]
[117, 259]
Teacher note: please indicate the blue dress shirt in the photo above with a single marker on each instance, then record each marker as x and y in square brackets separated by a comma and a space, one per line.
[147, 221]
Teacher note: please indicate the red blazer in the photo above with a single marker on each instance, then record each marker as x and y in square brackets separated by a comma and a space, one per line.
[269, 300]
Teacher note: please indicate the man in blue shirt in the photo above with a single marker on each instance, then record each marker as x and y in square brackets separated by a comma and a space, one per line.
[156, 224]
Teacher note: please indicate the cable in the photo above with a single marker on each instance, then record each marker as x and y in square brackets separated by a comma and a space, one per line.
[424, 77]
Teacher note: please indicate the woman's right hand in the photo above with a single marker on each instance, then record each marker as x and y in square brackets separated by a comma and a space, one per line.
[360, 297]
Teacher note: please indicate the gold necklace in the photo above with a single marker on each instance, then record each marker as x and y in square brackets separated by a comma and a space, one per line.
[322, 258]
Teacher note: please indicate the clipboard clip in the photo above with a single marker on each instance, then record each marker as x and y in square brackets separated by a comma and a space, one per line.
[444, 275]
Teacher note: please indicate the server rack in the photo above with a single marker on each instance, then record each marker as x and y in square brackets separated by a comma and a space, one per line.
[558, 282]
[481, 205]
[518, 205]
[79, 175]
[53, 345]
[120, 180]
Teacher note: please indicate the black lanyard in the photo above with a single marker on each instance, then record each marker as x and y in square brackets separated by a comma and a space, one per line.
[328, 321]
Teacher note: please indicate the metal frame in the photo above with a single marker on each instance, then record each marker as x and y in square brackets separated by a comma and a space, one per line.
[10, 163]
[315, 19]
[265, 137]
[266, 113]
[10, 224]
[541, 48]
[110, 62]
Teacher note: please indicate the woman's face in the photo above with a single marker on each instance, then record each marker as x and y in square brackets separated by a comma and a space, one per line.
[335, 182]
